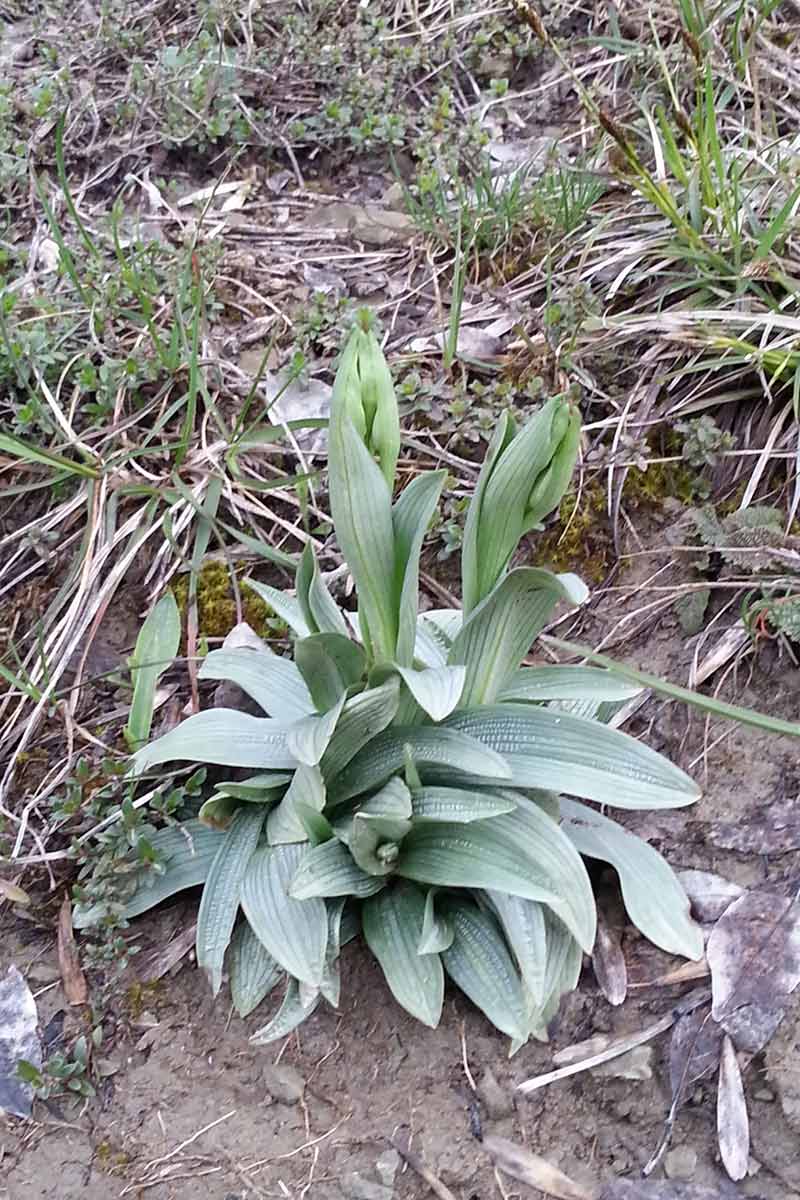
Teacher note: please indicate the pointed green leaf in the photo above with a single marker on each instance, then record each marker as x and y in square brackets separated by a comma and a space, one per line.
[500, 630]
[563, 965]
[156, 647]
[317, 826]
[470, 588]
[437, 929]
[411, 517]
[361, 508]
[523, 923]
[218, 811]
[479, 962]
[446, 749]
[298, 1003]
[319, 609]
[363, 717]
[285, 607]
[264, 788]
[329, 870]
[563, 753]
[331, 980]
[654, 898]
[273, 682]
[308, 739]
[330, 664]
[294, 932]
[223, 736]
[436, 689]
[459, 804]
[253, 971]
[522, 852]
[284, 825]
[392, 800]
[540, 684]
[392, 923]
[186, 853]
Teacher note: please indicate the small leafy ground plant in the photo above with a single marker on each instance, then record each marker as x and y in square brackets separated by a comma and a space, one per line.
[410, 777]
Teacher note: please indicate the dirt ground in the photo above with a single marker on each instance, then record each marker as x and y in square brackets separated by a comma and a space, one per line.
[193, 1110]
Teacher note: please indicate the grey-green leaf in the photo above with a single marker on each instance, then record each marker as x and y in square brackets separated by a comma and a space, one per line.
[479, 962]
[498, 633]
[437, 929]
[433, 746]
[553, 750]
[522, 852]
[330, 664]
[295, 932]
[540, 684]
[320, 611]
[253, 971]
[283, 823]
[392, 923]
[436, 689]
[219, 903]
[308, 739]
[223, 736]
[411, 516]
[363, 717]
[296, 1006]
[654, 898]
[523, 923]
[329, 870]
[459, 804]
[187, 852]
[287, 608]
[273, 682]
[156, 647]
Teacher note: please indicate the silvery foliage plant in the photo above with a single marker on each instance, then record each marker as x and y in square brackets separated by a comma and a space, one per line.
[410, 779]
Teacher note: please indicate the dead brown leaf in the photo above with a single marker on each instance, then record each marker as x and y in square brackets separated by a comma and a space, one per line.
[733, 1126]
[709, 894]
[72, 977]
[536, 1172]
[694, 1051]
[608, 961]
[754, 956]
[773, 828]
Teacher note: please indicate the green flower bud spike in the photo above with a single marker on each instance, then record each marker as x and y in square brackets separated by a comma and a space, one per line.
[364, 386]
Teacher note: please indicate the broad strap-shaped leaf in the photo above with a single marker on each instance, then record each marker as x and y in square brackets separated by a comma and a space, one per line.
[363, 717]
[523, 923]
[308, 739]
[562, 753]
[156, 647]
[540, 684]
[223, 736]
[430, 648]
[392, 923]
[436, 689]
[563, 966]
[479, 962]
[284, 824]
[500, 630]
[654, 898]
[392, 800]
[437, 928]
[186, 853]
[218, 811]
[273, 682]
[411, 516]
[330, 870]
[295, 932]
[361, 508]
[330, 664]
[470, 564]
[298, 1003]
[319, 609]
[459, 804]
[219, 903]
[446, 749]
[522, 852]
[331, 979]
[264, 788]
[253, 971]
[286, 607]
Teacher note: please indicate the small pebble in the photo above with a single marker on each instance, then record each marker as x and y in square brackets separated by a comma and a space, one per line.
[284, 1084]
[680, 1163]
[497, 1102]
[387, 1167]
[764, 1095]
[356, 1187]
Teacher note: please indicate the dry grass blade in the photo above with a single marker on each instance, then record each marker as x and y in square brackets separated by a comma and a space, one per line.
[733, 1127]
[73, 979]
[514, 1160]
